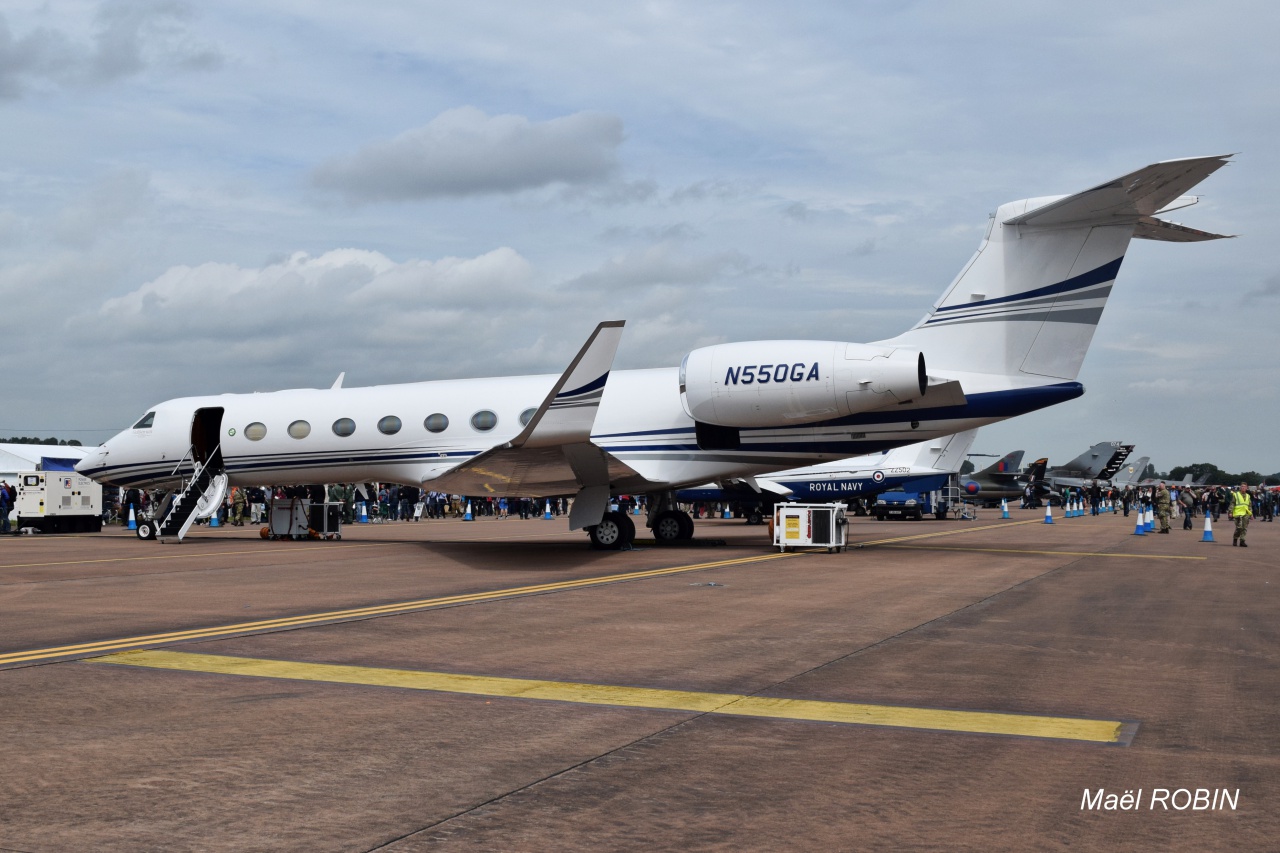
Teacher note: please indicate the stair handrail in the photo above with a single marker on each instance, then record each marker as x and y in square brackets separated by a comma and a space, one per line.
[178, 467]
[200, 468]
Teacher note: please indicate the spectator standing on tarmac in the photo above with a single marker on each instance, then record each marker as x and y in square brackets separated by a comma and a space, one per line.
[6, 504]
[237, 506]
[1163, 506]
[1241, 512]
[1188, 501]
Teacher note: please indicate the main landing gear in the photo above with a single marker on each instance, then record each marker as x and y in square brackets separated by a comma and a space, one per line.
[670, 524]
[615, 532]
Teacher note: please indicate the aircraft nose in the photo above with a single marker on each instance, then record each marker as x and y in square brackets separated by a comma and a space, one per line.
[91, 462]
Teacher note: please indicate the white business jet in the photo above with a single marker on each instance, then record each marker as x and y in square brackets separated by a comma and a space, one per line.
[1007, 337]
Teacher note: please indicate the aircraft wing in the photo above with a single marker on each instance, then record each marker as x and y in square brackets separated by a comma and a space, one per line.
[553, 454]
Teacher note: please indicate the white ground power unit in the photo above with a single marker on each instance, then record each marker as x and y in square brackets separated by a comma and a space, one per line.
[58, 502]
[810, 526]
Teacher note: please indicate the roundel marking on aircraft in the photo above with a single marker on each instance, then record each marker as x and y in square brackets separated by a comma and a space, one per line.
[971, 487]
[231, 431]
[878, 476]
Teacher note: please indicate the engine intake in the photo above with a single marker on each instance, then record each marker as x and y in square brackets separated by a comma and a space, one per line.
[782, 383]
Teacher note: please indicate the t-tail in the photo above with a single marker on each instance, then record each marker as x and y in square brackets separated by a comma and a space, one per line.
[1027, 304]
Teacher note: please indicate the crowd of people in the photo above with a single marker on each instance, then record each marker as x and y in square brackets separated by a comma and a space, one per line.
[1239, 503]
[358, 502]
[388, 502]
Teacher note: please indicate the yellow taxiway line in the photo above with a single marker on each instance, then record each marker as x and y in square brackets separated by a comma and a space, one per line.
[1054, 553]
[809, 710]
[101, 646]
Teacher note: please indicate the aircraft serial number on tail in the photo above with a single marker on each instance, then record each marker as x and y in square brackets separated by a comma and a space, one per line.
[763, 374]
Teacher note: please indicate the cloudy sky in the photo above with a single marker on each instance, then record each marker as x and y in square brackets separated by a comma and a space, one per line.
[234, 196]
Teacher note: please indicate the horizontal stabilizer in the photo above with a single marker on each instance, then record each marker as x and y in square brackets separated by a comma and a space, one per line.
[1143, 193]
[1150, 228]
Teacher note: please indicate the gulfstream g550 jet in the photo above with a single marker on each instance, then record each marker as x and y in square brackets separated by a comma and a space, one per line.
[1007, 337]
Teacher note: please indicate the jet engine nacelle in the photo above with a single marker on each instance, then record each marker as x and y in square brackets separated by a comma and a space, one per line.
[780, 383]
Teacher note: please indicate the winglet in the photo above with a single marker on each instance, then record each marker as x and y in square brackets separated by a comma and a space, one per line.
[337, 383]
[569, 410]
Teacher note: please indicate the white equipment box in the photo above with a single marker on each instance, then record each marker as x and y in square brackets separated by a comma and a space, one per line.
[58, 502]
[810, 525]
[288, 519]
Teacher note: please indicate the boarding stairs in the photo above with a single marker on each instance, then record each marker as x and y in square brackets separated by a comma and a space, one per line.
[959, 504]
[200, 498]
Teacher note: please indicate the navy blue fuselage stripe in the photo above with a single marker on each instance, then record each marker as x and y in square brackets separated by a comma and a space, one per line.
[590, 386]
[1106, 272]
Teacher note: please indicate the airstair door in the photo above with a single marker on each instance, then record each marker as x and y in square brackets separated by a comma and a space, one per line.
[206, 437]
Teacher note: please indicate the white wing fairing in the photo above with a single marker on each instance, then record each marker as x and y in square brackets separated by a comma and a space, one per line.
[1006, 338]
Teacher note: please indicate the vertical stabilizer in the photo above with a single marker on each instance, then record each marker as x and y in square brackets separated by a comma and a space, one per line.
[1028, 302]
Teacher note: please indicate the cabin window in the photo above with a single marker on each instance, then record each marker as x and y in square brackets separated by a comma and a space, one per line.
[526, 416]
[147, 420]
[390, 425]
[344, 427]
[299, 429]
[484, 420]
[436, 422]
[255, 431]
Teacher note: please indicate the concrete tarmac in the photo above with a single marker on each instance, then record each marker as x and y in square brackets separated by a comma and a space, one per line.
[497, 685]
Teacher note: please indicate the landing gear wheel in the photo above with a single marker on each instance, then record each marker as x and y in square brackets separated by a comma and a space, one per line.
[686, 526]
[672, 526]
[146, 530]
[615, 531]
[755, 516]
[667, 526]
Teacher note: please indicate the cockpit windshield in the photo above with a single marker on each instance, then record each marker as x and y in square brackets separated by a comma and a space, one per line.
[147, 420]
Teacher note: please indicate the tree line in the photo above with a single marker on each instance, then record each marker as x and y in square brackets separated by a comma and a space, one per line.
[58, 442]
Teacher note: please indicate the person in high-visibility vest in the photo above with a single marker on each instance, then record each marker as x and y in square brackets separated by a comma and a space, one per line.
[1241, 512]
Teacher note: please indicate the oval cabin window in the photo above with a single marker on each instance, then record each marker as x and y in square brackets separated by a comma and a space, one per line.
[344, 427]
[299, 429]
[436, 423]
[255, 431]
[484, 420]
[390, 425]
[526, 416]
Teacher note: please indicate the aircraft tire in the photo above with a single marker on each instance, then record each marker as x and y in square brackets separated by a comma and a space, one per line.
[667, 527]
[146, 530]
[686, 526]
[611, 534]
[755, 516]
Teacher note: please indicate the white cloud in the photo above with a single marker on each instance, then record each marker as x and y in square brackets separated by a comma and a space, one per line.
[465, 152]
[129, 37]
[335, 292]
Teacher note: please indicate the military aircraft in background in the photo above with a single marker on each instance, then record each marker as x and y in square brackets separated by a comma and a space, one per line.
[1001, 480]
[921, 467]
[1130, 474]
[1097, 464]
